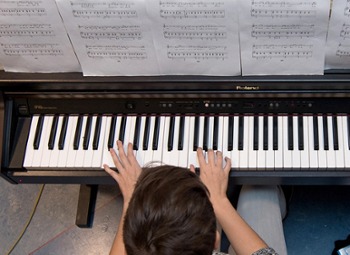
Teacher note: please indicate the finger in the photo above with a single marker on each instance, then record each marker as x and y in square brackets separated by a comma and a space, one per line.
[122, 156]
[192, 169]
[211, 157]
[115, 158]
[131, 156]
[200, 156]
[227, 167]
[111, 172]
[219, 159]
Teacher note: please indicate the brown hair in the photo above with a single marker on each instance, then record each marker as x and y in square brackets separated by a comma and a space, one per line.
[169, 213]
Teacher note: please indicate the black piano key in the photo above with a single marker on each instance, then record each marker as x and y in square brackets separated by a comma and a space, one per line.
[265, 133]
[315, 131]
[38, 132]
[348, 126]
[122, 129]
[325, 133]
[256, 133]
[137, 133]
[216, 133]
[171, 133]
[206, 134]
[97, 133]
[156, 133]
[146, 133]
[53, 133]
[275, 132]
[290, 133]
[180, 145]
[78, 133]
[335, 133]
[300, 132]
[240, 132]
[87, 133]
[111, 135]
[63, 133]
[196, 133]
[230, 134]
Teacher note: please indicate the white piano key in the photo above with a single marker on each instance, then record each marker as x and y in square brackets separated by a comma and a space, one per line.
[295, 152]
[220, 133]
[63, 154]
[192, 154]
[88, 154]
[279, 151]
[97, 158]
[234, 153]
[313, 154]
[174, 159]
[322, 156]
[330, 152]
[183, 154]
[210, 132]
[29, 154]
[166, 153]
[304, 154]
[158, 154]
[225, 152]
[346, 141]
[270, 155]
[149, 152]
[261, 153]
[339, 154]
[55, 152]
[80, 154]
[106, 155]
[287, 154]
[243, 154]
[45, 152]
[252, 162]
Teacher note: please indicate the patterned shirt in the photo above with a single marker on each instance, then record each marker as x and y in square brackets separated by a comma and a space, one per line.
[264, 251]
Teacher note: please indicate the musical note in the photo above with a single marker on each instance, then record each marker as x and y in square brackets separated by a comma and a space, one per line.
[345, 31]
[22, 12]
[31, 30]
[276, 13]
[119, 53]
[111, 32]
[190, 14]
[285, 31]
[34, 49]
[203, 32]
[197, 53]
[343, 50]
[282, 51]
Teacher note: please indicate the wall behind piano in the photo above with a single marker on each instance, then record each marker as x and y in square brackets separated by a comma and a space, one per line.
[211, 37]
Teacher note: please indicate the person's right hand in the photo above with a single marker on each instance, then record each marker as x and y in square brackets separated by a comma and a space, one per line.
[214, 173]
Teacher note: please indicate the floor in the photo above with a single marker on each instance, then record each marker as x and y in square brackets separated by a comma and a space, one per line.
[318, 216]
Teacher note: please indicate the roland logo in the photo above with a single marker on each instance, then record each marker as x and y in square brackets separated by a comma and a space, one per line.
[43, 107]
[247, 87]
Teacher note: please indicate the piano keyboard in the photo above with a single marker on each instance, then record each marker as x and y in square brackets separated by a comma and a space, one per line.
[253, 142]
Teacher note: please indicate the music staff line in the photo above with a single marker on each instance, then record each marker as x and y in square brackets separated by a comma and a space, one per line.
[197, 53]
[191, 4]
[111, 35]
[276, 13]
[282, 51]
[284, 4]
[283, 31]
[22, 12]
[104, 14]
[190, 14]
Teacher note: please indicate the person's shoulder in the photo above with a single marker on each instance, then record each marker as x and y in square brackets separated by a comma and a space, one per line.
[265, 251]
[219, 253]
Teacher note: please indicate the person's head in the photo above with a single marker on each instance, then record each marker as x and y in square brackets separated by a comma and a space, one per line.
[169, 213]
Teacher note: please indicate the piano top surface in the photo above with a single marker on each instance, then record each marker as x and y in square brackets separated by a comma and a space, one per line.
[332, 80]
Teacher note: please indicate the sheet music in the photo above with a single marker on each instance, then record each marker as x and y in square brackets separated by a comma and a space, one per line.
[110, 37]
[196, 36]
[283, 37]
[33, 38]
[338, 39]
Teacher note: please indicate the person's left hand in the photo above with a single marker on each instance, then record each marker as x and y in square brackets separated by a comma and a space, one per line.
[129, 170]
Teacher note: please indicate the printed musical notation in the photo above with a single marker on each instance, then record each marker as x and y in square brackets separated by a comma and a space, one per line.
[283, 9]
[111, 32]
[283, 31]
[22, 12]
[24, 49]
[30, 30]
[345, 31]
[191, 32]
[282, 51]
[343, 50]
[190, 14]
[104, 10]
[198, 53]
[118, 53]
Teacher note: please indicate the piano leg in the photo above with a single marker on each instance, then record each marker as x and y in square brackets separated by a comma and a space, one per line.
[86, 205]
